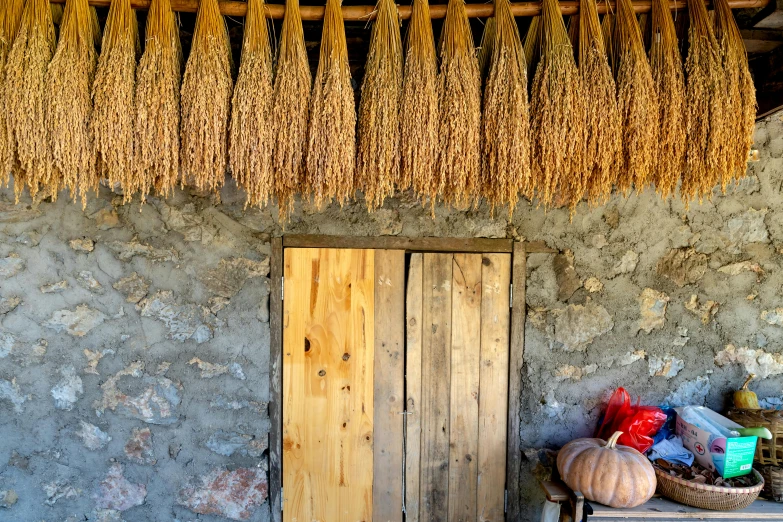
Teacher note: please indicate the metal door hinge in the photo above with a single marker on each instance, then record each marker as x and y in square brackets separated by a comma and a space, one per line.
[282, 288]
[282, 499]
[505, 501]
[511, 295]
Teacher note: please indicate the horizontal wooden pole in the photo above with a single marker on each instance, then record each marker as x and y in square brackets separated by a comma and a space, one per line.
[367, 12]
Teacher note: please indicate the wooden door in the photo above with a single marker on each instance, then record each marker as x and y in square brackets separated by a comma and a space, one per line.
[343, 372]
[457, 386]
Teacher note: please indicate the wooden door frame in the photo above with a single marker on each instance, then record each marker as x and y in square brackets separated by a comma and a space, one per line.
[518, 251]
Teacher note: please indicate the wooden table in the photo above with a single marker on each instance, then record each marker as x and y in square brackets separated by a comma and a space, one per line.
[657, 509]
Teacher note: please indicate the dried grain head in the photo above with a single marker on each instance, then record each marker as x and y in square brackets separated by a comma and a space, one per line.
[741, 93]
[378, 158]
[707, 127]
[505, 138]
[637, 99]
[419, 107]
[602, 115]
[206, 101]
[557, 115]
[113, 95]
[69, 80]
[156, 145]
[331, 147]
[250, 136]
[26, 97]
[459, 95]
[10, 18]
[290, 111]
[667, 71]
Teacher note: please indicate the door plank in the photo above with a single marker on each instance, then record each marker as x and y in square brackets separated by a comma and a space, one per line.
[328, 385]
[465, 356]
[413, 310]
[516, 359]
[493, 391]
[435, 394]
[389, 384]
[275, 379]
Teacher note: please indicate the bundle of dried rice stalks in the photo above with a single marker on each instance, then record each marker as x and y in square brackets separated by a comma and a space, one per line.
[250, 136]
[505, 137]
[10, 18]
[459, 95]
[638, 101]
[206, 101]
[290, 111]
[331, 148]
[378, 162]
[741, 93]
[706, 122]
[532, 50]
[602, 116]
[114, 93]
[157, 105]
[607, 29]
[26, 97]
[487, 46]
[69, 80]
[666, 65]
[557, 139]
[419, 113]
[57, 14]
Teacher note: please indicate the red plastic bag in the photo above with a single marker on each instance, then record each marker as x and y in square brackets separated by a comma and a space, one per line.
[638, 423]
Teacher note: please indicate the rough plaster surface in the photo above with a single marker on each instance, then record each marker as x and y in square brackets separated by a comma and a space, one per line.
[134, 340]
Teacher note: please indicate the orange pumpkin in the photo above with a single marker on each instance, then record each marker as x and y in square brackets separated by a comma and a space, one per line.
[616, 476]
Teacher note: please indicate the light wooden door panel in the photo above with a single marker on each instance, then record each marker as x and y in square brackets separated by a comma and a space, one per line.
[457, 315]
[328, 350]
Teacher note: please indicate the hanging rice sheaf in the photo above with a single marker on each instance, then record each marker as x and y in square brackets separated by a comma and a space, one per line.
[378, 161]
[331, 151]
[486, 47]
[113, 95]
[157, 105]
[557, 139]
[206, 101]
[57, 14]
[69, 80]
[706, 116]
[250, 136]
[26, 106]
[505, 135]
[459, 95]
[741, 93]
[666, 65]
[419, 107]
[10, 18]
[637, 100]
[531, 45]
[290, 111]
[602, 116]
[607, 29]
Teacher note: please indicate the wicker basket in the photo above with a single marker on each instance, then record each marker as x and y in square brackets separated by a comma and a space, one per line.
[768, 452]
[773, 482]
[706, 496]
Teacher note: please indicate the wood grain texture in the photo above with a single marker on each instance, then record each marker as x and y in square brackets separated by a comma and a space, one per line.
[409, 244]
[413, 311]
[435, 392]
[389, 385]
[275, 378]
[493, 391]
[465, 357]
[516, 360]
[328, 353]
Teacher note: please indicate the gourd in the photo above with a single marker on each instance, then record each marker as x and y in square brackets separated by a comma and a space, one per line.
[616, 476]
[744, 398]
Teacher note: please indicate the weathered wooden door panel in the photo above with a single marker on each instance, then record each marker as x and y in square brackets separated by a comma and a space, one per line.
[456, 385]
[343, 378]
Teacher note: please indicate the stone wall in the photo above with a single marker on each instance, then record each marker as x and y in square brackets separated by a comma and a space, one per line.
[134, 339]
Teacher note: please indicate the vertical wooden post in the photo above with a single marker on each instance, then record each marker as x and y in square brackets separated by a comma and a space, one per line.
[516, 357]
[275, 379]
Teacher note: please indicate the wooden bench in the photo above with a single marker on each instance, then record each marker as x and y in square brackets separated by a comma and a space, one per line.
[656, 509]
